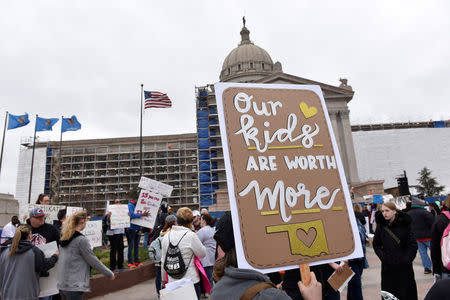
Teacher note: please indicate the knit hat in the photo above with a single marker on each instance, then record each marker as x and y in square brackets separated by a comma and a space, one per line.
[171, 218]
[417, 201]
[36, 212]
[224, 232]
[196, 213]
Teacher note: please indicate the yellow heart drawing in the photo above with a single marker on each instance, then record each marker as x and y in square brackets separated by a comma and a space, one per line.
[308, 112]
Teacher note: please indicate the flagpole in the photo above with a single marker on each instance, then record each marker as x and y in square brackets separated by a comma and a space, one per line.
[32, 162]
[3, 143]
[140, 136]
[59, 160]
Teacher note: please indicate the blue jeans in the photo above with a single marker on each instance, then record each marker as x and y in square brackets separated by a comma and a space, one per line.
[158, 279]
[445, 275]
[133, 238]
[72, 295]
[423, 246]
[146, 240]
[209, 272]
[354, 290]
[197, 289]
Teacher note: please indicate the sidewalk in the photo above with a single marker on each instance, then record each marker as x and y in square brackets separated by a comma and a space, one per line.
[371, 283]
[145, 290]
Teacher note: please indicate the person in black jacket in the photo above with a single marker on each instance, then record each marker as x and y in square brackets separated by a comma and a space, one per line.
[359, 213]
[440, 223]
[61, 218]
[42, 233]
[421, 222]
[434, 208]
[396, 247]
[160, 220]
[439, 291]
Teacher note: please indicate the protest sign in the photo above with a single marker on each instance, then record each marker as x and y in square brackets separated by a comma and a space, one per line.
[155, 186]
[119, 216]
[148, 202]
[286, 184]
[70, 210]
[51, 211]
[93, 232]
[48, 284]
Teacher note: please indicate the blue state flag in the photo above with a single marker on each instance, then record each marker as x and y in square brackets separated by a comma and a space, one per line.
[17, 121]
[43, 124]
[70, 124]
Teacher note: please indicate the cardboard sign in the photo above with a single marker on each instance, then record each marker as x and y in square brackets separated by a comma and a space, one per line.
[48, 284]
[155, 186]
[70, 210]
[339, 281]
[51, 211]
[150, 202]
[286, 184]
[119, 216]
[93, 232]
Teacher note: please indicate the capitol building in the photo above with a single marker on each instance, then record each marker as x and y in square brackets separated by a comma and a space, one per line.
[90, 172]
[249, 63]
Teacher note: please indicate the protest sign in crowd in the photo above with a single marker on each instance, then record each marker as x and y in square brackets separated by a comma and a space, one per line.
[292, 231]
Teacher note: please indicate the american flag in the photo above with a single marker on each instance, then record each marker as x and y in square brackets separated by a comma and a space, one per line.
[156, 100]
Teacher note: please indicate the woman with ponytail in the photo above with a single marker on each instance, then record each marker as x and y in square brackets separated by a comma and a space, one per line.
[21, 265]
[189, 245]
[76, 259]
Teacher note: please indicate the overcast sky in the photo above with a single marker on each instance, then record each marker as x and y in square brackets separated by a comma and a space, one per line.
[88, 58]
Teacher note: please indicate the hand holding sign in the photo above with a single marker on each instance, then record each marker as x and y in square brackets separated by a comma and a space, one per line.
[147, 205]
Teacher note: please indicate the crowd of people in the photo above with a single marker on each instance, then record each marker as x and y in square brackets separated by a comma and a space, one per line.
[23, 263]
[194, 245]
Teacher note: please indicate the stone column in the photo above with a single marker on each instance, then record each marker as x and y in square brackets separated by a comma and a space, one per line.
[338, 134]
[349, 148]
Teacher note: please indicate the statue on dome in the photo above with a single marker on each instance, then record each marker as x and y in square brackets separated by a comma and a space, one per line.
[243, 20]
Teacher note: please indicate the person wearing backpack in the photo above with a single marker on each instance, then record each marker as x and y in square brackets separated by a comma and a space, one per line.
[155, 249]
[437, 230]
[179, 247]
[395, 245]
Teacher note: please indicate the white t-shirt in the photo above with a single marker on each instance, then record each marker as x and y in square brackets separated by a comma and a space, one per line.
[190, 245]
[8, 232]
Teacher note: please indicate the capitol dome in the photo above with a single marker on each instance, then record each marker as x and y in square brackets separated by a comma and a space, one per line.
[247, 62]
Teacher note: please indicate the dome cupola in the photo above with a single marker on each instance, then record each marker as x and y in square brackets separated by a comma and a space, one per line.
[247, 62]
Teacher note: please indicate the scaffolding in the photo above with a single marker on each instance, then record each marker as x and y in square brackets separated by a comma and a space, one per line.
[90, 172]
[210, 155]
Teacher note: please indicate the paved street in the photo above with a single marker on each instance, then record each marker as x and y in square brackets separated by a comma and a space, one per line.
[371, 283]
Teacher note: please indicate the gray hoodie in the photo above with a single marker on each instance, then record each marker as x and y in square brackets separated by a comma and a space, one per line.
[19, 274]
[236, 282]
[75, 259]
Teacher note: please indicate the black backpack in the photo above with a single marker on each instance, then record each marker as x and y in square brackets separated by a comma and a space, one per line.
[174, 263]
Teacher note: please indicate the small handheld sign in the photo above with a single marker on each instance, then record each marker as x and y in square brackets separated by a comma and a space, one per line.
[286, 183]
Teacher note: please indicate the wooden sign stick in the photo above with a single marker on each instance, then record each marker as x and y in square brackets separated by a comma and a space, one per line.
[305, 274]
